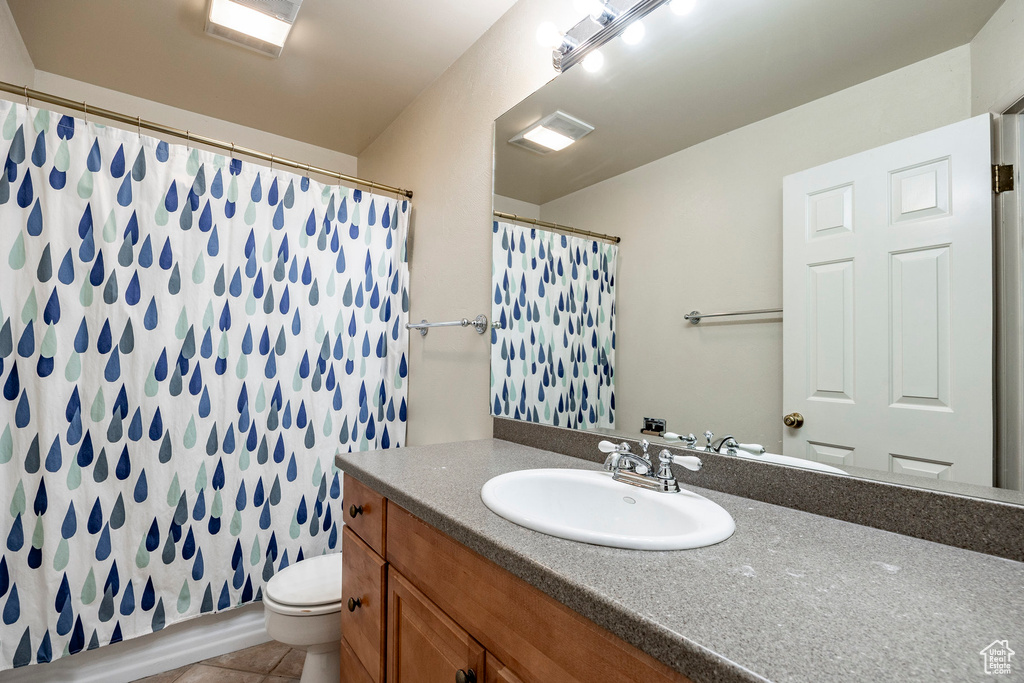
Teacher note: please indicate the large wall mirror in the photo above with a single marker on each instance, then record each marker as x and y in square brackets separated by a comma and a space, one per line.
[825, 164]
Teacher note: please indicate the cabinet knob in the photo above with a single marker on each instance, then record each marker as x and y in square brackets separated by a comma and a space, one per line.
[794, 420]
[354, 603]
[355, 510]
[463, 676]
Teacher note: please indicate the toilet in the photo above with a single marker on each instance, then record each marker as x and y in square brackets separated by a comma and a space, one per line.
[302, 609]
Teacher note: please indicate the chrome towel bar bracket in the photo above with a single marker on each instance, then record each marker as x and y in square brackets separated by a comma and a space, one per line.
[478, 323]
[695, 316]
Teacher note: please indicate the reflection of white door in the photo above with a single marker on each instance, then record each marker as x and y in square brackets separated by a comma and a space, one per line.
[887, 291]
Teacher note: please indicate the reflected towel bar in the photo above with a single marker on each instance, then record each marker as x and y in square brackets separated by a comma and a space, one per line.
[478, 323]
[695, 316]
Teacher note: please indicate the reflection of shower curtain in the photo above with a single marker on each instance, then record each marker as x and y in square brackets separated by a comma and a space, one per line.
[553, 358]
[185, 340]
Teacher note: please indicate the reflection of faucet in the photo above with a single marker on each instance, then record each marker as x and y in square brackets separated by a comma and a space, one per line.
[728, 445]
[728, 441]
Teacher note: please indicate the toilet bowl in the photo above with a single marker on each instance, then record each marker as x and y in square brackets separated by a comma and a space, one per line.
[302, 609]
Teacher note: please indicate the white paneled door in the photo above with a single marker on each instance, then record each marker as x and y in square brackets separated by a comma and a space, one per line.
[887, 291]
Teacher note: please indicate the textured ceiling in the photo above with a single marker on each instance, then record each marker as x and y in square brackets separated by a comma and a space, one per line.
[349, 67]
[727, 65]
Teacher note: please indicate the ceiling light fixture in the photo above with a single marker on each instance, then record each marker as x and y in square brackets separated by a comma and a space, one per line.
[552, 133]
[260, 25]
[551, 139]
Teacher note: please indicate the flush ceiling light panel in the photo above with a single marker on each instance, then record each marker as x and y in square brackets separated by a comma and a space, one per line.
[552, 133]
[260, 25]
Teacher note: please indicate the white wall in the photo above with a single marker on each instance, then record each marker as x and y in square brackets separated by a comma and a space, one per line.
[997, 60]
[15, 64]
[440, 147]
[516, 206]
[702, 229]
[188, 120]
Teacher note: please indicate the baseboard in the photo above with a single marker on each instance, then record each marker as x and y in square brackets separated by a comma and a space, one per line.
[175, 646]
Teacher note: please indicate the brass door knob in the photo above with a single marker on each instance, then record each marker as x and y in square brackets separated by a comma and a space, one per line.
[354, 603]
[794, 420]
[355, 511]
[465, 676]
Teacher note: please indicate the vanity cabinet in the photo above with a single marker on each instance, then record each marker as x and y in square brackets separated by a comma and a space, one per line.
[429, 609]
[424, 644]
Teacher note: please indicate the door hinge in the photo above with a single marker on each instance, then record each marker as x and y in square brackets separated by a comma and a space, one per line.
[1002, 178]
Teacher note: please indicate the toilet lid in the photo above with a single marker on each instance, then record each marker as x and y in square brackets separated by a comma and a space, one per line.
[313, 581]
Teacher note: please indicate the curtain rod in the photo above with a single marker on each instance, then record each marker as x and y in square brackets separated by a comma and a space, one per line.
[139, 122]
[556, 226]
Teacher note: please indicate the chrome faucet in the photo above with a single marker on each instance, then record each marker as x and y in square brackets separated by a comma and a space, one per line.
[639, 471]
[621, 460]
[728, 445]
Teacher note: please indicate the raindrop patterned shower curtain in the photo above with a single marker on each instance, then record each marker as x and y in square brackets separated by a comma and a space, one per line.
[553, 350]
[185, 341]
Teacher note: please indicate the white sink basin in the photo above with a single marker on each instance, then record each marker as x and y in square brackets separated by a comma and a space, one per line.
[588, 506]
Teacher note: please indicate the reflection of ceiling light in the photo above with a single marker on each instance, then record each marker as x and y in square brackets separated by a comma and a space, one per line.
[551, 139]
[261, 25]
[552, 133]
[682, 7]
[594, 61]
[634, 33]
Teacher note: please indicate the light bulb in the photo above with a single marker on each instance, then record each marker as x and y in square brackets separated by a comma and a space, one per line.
[548, 35]
[634, 33]
[682, 7]
[594, 61]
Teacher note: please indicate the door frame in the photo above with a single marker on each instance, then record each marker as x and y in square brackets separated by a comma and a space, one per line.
[1008, 285]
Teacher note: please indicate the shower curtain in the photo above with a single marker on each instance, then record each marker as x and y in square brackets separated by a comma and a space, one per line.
[185, 342]
[553, 345]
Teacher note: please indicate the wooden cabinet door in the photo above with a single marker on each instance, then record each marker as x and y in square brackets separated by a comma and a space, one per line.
[363, 593]
[424, 645]
[498, 672]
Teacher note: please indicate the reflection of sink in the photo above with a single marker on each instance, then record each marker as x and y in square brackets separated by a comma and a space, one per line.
[585, 505]
[792, 462]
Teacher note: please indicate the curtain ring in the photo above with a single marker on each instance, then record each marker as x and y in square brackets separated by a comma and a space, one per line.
[28, 100]
[271, 163]
[188, 140]
[85, 108]
[372, 186]
[140, 126]
[232, 150]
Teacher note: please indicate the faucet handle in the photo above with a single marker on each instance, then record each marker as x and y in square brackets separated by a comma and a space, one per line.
[690, 462]
[644, 445]
[754, 448]
[709, 436]
[609, 447]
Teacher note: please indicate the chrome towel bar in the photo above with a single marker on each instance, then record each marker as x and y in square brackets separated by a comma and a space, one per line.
[695, 316]
[478, 323]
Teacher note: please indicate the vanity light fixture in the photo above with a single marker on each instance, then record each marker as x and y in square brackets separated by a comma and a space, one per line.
[633, 34]
[548, 35]
[682, 7]
[552, 133]
[604, 22]
[594, 61]
[259, 25]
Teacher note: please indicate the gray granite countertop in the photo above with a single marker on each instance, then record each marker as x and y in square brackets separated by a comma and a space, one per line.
[790, 597]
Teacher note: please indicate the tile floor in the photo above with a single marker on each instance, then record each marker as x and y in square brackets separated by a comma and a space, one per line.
[268, 663]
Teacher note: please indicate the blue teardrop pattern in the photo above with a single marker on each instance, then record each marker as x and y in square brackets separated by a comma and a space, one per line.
[196, 379]
[554, 343]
